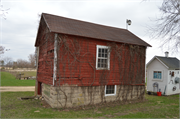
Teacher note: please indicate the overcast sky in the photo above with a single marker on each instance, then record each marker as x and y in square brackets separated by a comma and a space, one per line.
[18, 32]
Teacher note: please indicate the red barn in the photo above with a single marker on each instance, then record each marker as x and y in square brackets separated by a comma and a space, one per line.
[81, 63]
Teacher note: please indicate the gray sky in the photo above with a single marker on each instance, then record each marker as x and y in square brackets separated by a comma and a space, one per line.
[18, 32]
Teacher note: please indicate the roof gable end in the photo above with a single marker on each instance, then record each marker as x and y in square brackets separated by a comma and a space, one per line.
[170, 63]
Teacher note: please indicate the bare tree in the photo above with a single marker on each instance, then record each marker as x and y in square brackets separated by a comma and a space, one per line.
[3, 11]
[167, 26]
[32, 60]
[8, 61]
[2, 50]
[22, 63]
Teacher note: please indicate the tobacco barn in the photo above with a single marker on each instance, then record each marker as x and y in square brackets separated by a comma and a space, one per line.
[81, 63]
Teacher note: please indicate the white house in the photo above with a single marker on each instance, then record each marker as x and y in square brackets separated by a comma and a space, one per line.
[163, 73]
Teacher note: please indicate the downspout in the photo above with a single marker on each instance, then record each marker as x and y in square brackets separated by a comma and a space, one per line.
[37, 59]
[55, 59]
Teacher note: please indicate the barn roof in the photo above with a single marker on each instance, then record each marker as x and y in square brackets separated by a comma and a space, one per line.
[69, 26]
[172, 63]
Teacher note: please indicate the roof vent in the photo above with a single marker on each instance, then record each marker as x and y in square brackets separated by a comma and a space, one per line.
[166, 54]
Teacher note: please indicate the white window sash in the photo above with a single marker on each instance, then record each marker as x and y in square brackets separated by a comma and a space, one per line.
[110, 94]
[108, 57]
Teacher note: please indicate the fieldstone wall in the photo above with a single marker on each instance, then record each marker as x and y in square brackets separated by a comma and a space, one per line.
[73, 96]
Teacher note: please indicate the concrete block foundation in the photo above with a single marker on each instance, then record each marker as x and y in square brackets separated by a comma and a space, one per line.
[74, 96]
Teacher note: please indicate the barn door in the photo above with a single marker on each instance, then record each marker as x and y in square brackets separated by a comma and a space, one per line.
[39, 88]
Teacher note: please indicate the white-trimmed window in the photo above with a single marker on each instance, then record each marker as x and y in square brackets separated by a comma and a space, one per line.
[102, 57]
[110, 90]
[157, 75]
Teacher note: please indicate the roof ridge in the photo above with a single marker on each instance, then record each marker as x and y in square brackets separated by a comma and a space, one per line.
[166, 57]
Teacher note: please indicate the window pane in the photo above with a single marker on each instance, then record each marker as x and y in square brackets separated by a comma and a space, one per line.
[99, 50]
[102, 61]
[99, 62]
[99, 53]
[113, 91]
[105, 55]
[106, 51]
[157, 75]
[110, 89]
[105, 61]
[102, 65]
[102, 51]
[102, 54]
[98, 65]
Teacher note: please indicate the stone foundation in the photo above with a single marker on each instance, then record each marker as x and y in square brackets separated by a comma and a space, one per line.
[73, 96]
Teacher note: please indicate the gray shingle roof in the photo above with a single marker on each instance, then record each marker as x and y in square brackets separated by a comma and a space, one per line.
[69, 26]
[172, 62]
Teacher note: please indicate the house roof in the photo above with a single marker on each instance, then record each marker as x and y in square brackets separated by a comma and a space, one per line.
[69, 26]
[172, 63]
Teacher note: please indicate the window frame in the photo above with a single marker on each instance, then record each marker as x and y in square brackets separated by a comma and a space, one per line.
[156, 79]
[110, 94]
[157, 76]
[108, 57]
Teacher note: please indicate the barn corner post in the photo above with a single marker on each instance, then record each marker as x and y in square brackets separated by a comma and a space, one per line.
[55, 59]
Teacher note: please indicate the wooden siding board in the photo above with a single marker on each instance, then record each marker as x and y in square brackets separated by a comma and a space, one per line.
[81, 73]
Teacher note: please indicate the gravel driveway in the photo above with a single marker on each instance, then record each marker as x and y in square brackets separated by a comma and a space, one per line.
[16, 88]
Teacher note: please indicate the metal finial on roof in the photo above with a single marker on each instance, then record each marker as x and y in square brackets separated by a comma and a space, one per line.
[128, 22]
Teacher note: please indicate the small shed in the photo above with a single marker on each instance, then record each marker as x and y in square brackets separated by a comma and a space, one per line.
[163, 74]
[81, 63]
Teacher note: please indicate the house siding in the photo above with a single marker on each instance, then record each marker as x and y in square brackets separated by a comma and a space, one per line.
[156, 66]
[171, 82]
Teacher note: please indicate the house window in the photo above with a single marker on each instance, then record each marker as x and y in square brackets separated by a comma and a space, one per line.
[157, 74]
[102, 57]
[110, 90]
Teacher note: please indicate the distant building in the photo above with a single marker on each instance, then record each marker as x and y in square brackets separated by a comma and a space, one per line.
[163, 73]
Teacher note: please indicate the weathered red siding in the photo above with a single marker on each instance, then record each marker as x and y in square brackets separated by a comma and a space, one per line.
[77, 62]
[46, 54]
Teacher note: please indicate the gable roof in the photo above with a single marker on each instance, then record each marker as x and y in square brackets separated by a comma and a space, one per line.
[69, 26]
[172, 63]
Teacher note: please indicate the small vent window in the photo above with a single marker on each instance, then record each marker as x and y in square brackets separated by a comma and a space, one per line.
[110, 90]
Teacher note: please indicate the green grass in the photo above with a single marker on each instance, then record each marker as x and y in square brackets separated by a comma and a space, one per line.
[155, 107]
[8, 79]
[28, 73]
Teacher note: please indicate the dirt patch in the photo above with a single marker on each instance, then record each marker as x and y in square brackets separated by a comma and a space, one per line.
[16, 88]
[174, 104]
[45, 104]
[121, 114]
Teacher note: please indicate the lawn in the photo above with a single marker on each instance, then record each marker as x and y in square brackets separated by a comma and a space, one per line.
[154, 107]
[7, 79]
